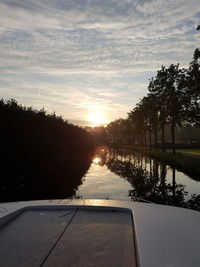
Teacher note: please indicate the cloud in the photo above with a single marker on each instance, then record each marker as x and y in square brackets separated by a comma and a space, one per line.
[75, 95]
[85, 35]
[71, 56]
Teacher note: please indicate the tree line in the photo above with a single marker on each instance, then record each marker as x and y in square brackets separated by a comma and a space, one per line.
[173, 100]
[42, 155]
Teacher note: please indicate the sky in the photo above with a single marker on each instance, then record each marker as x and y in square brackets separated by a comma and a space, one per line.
[91, 58]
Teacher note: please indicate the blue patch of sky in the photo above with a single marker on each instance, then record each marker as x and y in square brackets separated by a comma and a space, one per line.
[23, 4]
[109, 7]
[16, 36]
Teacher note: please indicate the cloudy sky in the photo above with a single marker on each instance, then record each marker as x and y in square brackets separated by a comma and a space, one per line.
[80, 57]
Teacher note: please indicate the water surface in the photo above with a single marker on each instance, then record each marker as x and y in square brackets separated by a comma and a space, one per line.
[123, 175]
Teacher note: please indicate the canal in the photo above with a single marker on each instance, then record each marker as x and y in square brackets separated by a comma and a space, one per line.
[124, 175]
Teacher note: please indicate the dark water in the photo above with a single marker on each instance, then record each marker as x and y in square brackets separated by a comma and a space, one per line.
[121, 174]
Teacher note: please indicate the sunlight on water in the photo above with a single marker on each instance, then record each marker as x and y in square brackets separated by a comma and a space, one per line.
[96, 161]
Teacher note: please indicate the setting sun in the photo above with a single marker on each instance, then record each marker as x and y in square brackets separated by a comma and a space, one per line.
[97, 118]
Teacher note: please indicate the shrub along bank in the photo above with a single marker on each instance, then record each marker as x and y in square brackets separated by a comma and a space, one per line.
[42, 156]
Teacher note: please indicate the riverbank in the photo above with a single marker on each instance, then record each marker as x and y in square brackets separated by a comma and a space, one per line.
[183, 162]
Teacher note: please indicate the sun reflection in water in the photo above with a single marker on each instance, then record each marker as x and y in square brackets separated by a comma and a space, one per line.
[96, 161]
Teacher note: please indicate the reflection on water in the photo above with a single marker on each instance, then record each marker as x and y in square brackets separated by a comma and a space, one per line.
[96, 160]
[119, 174]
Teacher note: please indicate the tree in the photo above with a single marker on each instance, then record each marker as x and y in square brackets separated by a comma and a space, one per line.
[175, 98]
[150, 112]
[192, 88]
[157, 89]
[171, 98]
[116, 131]
[136, 116]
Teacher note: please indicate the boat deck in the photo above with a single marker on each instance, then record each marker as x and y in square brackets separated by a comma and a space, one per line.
[68, 237]
[92, 232]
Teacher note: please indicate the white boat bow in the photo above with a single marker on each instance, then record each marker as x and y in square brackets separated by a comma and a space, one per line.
[91, 232]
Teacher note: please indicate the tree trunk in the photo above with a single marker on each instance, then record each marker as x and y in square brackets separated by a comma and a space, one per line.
[173, 138]
[145, 138]
[133, 140]
[155, 169]
[150, 142]
[156, 139]
[150, 166]
[163, 172]
[141, 139]
[174, 185]
[163, 137]
[129, 138]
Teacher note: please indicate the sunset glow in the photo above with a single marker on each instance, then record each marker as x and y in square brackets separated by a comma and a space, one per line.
[96, 161]
[97, 118]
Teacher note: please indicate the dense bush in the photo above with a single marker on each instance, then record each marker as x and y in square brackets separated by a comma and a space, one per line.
[42, 156]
